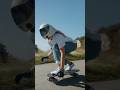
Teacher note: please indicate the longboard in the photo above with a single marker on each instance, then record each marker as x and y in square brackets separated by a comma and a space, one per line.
[55, 78]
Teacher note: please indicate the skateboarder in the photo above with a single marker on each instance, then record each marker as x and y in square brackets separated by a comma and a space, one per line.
[60, 46]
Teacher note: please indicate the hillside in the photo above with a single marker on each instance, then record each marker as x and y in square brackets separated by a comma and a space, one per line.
[106, 65]
[80, 52]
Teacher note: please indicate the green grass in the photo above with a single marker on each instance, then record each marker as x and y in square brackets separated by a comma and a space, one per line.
[71, 57]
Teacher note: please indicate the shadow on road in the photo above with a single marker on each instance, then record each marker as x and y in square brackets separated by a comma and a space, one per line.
[78, 81]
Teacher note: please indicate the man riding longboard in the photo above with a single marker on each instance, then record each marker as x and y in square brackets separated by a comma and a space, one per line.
[60, 46]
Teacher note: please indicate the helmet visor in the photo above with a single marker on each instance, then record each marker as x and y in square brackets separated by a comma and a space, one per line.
[44, 31]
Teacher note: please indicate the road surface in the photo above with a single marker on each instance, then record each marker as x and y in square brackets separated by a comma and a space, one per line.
[67, 83]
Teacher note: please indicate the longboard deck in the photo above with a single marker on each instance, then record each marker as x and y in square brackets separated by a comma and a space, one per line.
[71, 71]
[65, 73]
[53, 78]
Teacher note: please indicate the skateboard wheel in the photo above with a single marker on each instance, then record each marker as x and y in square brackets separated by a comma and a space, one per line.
[52, 79]
[49, 79]
[74, 74]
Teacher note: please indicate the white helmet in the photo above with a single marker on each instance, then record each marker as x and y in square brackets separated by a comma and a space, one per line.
[47, 30]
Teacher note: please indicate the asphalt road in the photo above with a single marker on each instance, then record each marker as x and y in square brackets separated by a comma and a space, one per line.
[67, 83]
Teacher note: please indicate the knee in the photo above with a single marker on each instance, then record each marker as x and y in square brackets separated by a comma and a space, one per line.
[55, 48]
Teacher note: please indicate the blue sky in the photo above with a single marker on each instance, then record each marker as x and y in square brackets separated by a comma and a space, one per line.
[67, 16]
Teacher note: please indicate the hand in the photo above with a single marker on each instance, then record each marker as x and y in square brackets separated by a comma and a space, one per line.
[44, 59]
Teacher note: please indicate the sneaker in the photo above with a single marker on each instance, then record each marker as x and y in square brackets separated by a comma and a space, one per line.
[69, 67]
[55, 72]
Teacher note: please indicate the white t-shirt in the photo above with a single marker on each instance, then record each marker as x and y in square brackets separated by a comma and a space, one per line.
[60, 40]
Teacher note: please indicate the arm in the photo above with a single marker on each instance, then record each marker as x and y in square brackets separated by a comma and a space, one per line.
[50, 52]
[45, 59]
[62, 51]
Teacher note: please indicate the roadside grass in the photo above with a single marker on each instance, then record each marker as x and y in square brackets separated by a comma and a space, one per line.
[73, 56]
[69, 57]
